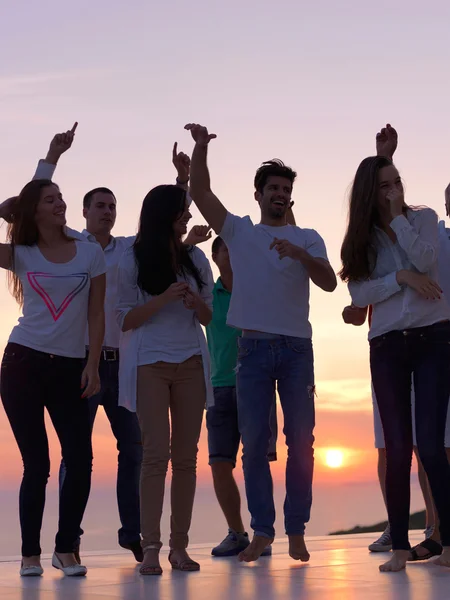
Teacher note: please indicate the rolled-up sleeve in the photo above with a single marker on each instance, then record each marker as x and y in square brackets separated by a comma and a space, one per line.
[44, 170]
[373, 291]
[128, 293]
[420, 242]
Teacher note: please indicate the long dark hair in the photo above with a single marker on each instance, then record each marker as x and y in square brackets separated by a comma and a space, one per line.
[22, 227]
[358, 251]
[159, 255]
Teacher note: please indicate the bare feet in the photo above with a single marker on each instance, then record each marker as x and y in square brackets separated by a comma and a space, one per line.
[444, 558]
[397, 562]
[297, 548]
[255, 548]
[31, 561]
[67, 559]
[150, 564]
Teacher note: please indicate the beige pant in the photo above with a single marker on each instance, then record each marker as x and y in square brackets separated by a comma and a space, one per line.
[180, 389]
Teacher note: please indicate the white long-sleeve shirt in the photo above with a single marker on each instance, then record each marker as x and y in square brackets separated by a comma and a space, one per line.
[174, 334]
[416, 249]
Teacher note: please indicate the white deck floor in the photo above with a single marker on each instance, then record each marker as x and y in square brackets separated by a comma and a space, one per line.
[341, 568]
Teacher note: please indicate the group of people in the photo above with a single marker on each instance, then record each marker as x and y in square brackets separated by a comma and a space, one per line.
[119, 322]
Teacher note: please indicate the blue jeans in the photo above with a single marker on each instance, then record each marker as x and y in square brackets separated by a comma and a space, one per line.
[425, 353]
[125, 427]
[263, 363]
[223, 428]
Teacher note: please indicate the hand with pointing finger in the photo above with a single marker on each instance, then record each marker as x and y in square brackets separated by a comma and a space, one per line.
[287, 249]
[182, 164]
[200, 134]
[60, 144]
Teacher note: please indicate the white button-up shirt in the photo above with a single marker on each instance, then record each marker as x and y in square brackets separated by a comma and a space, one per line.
[416, 249]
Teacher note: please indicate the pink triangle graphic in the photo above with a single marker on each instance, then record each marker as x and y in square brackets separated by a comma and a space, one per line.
[81, 280]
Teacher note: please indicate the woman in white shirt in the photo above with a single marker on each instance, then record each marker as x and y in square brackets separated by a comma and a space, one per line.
[165, 295]
[389, 258]
[60, 284]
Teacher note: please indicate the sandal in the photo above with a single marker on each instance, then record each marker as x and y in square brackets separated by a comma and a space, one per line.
[433, 547]
[184, 565]
[150, 569]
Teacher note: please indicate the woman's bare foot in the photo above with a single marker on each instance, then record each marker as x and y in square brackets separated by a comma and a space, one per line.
[254, 550]
[151, 565]
[444, 558]
[31, 561]
[297, 548]
[397, 562]
[67, 559]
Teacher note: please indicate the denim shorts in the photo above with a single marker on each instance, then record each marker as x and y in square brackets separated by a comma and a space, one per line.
[223, 429]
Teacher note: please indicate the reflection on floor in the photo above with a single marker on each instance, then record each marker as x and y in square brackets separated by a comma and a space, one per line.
[341, 568]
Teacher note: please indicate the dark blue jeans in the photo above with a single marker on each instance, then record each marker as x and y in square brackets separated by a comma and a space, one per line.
[31, 382]
[263, 363]
[125, 427]
[424, 353]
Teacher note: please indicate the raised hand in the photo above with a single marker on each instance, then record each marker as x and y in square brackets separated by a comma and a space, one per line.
[200, 134]
[198, 234]
[447, 200]
[396, 201]
[60, 144]
[286, 249]
[386, 141]
[7, 209]
[182, 164]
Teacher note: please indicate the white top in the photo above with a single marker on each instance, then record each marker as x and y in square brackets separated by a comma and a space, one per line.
[416, 249]
[113, 253]
[269, 294]
[174, 334]
[56, 299]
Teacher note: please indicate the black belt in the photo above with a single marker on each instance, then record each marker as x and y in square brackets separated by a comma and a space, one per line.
[107, 354]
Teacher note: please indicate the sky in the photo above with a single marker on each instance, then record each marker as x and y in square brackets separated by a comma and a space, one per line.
[307, 82]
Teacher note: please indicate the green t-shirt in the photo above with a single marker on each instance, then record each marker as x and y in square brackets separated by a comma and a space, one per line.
[222, 340]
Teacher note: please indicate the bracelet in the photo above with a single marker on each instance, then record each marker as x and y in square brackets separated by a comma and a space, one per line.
[182, 182]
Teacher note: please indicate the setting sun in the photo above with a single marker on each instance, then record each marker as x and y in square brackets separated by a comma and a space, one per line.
[334, 459]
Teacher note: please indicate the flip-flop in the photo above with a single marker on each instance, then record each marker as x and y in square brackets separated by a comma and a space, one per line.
[433, 547]
[185, 565]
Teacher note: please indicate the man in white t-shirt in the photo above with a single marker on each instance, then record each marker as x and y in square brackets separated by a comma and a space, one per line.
[272, 264]
[99, 210]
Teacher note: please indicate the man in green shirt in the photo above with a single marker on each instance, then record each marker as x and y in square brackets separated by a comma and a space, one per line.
[222, 418]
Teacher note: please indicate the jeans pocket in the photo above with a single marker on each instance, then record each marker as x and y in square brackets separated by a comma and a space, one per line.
[301, 346]
[14, 356]
[243, 352]
[377, 343]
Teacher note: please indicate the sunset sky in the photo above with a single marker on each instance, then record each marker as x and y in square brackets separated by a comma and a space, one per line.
[307, 82]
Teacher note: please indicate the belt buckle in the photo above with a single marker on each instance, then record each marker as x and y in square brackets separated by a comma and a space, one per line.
[109, 355]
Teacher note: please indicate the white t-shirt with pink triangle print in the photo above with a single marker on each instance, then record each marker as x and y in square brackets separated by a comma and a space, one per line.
[56, 297]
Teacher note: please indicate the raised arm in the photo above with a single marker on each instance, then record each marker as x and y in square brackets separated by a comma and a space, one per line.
[59, 144]
[209, 205]
[386, 142]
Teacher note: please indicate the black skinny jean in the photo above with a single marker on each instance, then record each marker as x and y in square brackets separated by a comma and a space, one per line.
[31, 381]
[425, 353]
